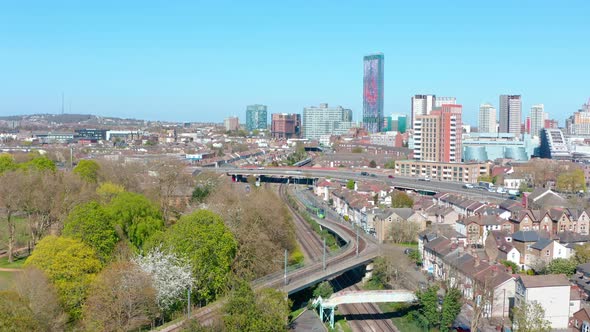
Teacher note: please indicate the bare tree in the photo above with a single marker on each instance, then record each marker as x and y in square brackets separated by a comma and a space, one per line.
[482, 301]
[37, 291]
[170, 183]
[9, 200]
[122, 298]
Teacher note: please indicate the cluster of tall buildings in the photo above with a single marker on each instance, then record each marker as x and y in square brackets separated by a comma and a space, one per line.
[579, 122]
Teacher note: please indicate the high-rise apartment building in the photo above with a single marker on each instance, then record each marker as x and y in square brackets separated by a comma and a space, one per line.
[256, 117]
[579, 122]
[284, 125]
[438, 135]
[422, 105]
[439, 101]
[231, 123]
[537, 118]
[510, 114]
[487, 119]
[325, 120]
[373, 93]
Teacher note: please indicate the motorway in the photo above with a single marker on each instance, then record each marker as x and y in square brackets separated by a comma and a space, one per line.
[376, 174]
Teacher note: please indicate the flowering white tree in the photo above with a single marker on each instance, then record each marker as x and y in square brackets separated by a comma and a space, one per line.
[171, 275]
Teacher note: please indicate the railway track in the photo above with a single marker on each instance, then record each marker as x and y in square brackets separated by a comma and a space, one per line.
[365, 316]
[309, 241]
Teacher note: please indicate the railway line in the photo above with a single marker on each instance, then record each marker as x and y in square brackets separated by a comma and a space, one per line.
[309, 241]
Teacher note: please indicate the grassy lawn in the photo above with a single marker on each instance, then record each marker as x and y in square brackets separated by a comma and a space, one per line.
[296, 313]
[17, 264]
[22, 232]
[341, 326]
[6, 279]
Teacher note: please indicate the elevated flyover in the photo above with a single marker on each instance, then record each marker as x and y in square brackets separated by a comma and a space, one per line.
[352, 297]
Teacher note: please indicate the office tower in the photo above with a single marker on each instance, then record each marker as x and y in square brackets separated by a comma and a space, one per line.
[231, 123]
[537, 118]
[439, 101]
[438, 135]
[325, 120]
[579, 122]
[487, 119]
[510, 114]
[551, 124]
[421, 105]
[373, 93]
[285, 125]
[256, 117]
[399, 122]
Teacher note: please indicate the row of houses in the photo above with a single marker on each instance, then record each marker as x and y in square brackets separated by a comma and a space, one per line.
[489, 285]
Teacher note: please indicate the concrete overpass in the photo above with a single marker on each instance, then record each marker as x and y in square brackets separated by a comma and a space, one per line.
[351, 297]
[403, 183]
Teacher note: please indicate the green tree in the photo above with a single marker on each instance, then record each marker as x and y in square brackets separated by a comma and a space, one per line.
[246, 311]
[561, 266]
[428, 302]
[323, 289]
[91, 224]
[40, 163]
[401, 200]
[485, 178]
[530, 317]
[87, 170]
[71, 265]
[350, 184]
[201, 192]
[203, 239]
[108, 190]
[390, 164]
[357, 149]
[7, 163]
[137, 216]
[572, 181]
[15, 315]
[416, 257]
[582, 253]
[451, 308]
[372, 164]
[514, 268]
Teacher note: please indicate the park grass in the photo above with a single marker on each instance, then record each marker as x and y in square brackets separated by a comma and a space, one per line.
[6, 279]
[17, 264]
[294, 314]
[21, 229]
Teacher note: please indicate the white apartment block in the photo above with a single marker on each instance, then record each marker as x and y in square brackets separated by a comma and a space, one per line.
[422, 105]
[537, 117]
[487, 119]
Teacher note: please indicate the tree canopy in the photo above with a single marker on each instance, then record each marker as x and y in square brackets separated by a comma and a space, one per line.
[350, 184]
[210, 248]
[91, 224]
[572, 181]
[7, 163]
[137, 216]
[530, 317]
[87, 170]
[401, 200]
[15, 315]
[71, 265]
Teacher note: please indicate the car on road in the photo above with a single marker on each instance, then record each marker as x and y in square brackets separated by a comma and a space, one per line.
[365, 173]
[373, 175]
[390, 176]
[426, 178]
[468, 186]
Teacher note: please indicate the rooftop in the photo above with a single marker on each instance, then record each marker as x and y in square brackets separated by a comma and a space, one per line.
[549, 280]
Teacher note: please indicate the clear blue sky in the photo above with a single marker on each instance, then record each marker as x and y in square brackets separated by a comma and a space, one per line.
[202, 61]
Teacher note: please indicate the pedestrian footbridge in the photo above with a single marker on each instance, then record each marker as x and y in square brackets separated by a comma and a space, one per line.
[351, 297]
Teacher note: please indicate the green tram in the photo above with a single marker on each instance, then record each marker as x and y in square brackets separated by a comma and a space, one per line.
[318, 212]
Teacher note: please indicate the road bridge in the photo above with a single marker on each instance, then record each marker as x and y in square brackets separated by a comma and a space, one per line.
[352, 297]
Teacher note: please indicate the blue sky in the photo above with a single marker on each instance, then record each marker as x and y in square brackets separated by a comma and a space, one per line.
[204, 60]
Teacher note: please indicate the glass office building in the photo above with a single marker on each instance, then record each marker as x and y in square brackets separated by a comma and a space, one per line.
[373, 93]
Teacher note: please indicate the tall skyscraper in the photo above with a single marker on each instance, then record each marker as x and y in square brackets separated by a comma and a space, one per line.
[487, 119]
[284, 125]
[439, 101]
[324, 120]
[256, 117]
[373, 92]
[537, 117]
[438, 135]
[422, 105]
[510, 114]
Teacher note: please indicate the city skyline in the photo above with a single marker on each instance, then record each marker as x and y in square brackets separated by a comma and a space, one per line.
[111, 59]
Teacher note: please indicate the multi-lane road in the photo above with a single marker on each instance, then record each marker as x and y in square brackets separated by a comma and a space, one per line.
[374, 174]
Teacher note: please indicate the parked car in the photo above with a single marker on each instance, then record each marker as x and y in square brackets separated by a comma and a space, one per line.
[408, 251]
[426, 178]
[373, 175]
